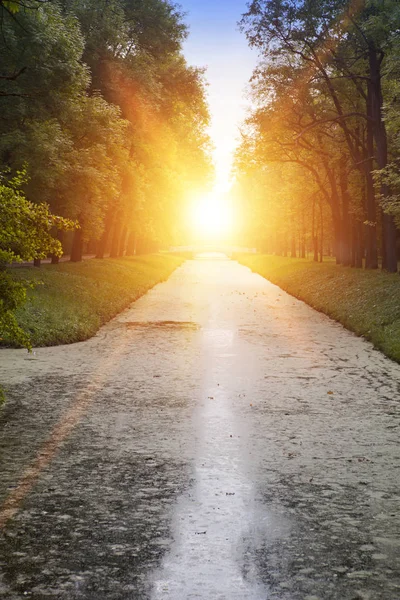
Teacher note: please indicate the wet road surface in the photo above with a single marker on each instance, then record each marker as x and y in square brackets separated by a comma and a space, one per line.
[218, 440]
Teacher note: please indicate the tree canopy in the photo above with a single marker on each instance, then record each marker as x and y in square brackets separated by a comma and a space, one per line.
[321, 137]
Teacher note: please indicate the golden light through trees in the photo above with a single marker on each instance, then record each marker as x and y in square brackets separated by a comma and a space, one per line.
[139, 146]
[318, 137]
[210, 217]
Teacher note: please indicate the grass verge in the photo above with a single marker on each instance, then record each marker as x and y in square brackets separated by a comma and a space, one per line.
[70, 301]
[366, 302]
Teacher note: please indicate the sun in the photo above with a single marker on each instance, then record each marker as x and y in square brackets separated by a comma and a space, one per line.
[210, 217]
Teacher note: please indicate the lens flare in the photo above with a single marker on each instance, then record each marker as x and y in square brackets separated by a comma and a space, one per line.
[211, 217]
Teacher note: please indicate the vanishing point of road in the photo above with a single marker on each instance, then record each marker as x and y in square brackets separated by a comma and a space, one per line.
[219, 440]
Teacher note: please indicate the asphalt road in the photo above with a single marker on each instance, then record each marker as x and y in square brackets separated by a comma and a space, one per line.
[219, 440]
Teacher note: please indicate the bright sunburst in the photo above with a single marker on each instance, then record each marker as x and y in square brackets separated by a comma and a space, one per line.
[211, 216]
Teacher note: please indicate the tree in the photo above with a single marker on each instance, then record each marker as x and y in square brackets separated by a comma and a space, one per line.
[133, 49]
[46, 49]
[320, 78]
[106, 114]
[25, 234]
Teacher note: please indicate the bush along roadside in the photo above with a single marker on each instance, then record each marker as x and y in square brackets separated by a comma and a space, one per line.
[365, 302]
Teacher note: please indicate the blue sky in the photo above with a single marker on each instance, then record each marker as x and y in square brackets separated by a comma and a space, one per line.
[215, 42]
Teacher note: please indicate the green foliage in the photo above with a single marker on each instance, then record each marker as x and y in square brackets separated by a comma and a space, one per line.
[42, 56]
[12, 296]
[11, 5]
[96, 164]
[14, 6]
[25, 227]
[391, 174]
[25, 234]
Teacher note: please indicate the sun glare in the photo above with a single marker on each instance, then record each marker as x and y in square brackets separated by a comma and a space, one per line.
[211, 217]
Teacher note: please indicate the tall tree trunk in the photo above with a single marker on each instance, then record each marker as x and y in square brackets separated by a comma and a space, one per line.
[293, 246]
[60, 236]
[359, 245]
[77, 246]
[313, 235]
[303, 236]
[356, 244]
[122, 242]
[345, 228]
[336, 215]
[388, 225]
[371, 258]
[37, 262]
[337, 230]
[322, 233]
[315, 245]
[102, 245]
[115, 241]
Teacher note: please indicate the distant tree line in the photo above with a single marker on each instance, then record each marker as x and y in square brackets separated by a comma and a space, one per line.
[318, 167]
[100, 110]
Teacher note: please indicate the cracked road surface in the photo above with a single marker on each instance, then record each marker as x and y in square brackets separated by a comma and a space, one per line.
[219, 440]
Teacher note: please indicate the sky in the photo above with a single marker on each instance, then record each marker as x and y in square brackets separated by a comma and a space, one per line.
[216, 43]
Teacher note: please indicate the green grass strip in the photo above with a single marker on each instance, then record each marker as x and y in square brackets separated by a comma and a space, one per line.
[366, 302]
[71, 301]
